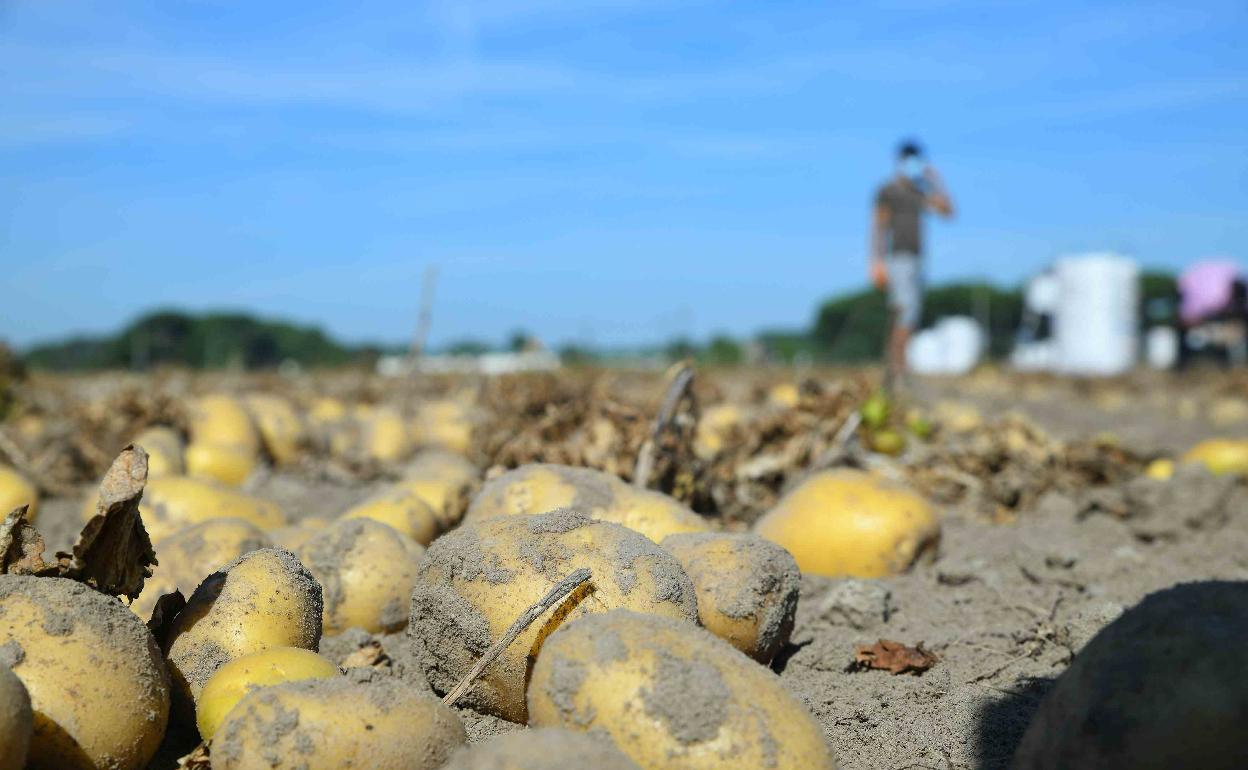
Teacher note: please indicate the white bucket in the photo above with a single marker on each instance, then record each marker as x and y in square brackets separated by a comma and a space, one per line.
[953, 346]
[1161, 347]
[1095, 326]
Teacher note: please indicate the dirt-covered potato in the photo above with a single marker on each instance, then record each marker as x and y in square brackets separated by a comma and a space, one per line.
[16, 720]
[164, 451]
[445, 423]
[221, 419]
[281, 429]
[16, 491]
[227, 463]
[539, 488]
[385, 435]
[329, 724]
[845, 522]
[439, 477]
[235, 679]
[548, 748]
[715, 426]
[1163, 686]
[263, 599]
[474, 581]
[747, 588]
[672, 696]
[171, 503]
[403, 509]
[98, 688]
[366, 572]
[189, 555]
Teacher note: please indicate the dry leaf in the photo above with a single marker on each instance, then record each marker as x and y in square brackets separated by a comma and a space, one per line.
[893, 656]
[198, 759]
[370, 655]
[114, 554]
[167, 607]
[21, 546]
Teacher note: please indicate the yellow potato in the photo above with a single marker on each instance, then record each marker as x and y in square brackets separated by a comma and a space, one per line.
[16, 491]
[747, 588]
[715, 427]
[672, 696]
[235, 679]
[403, 509]
[444, 423]
[365, 571]
[330, 724]
[326, 411]
[264, 599]
[548, 748]
[98, 690]
[845, 522]
[1161, 469]
[474, 581]
[171, 503]
[281, 429]
[293, 536]
[1220, 456]
[785, 395]
[439, 478]
[385, 436]
[164, 451]
[221, 419]
[189, 555]
[16, 720]
[544, 487]
[227, 463]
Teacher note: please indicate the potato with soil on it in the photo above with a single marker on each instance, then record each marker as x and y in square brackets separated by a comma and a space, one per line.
[228, 464]
[164, 451]
[446, 423]
[263, 599]
[281, 429]
[543, 487]
[329, 724]
[547, 748]
[98, 689]
[402, 509]
[747, 588]
[847, 523]
[16, 491]
[171, 503]
[1163, 686]
[233, 681]
[221, 419]
[366, 571]
[16, 720]
[189, 555]
[715, 427]
[440, 478]
[476, 580]
[672, 696]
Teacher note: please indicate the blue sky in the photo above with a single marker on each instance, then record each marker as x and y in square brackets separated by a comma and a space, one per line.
[605, 171]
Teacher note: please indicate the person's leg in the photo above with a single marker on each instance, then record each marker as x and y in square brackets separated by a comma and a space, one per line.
[905, 294]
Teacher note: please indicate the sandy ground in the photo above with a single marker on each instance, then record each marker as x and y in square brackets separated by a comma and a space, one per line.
[1003, 606]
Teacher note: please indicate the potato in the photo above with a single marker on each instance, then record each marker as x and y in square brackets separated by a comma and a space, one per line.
[329, 724]
[192, 554]
[715, 426]
[326, 411]
[16, 491]
[235, 679]
[445, 423]
[784, 395]
[747, 588]
[403, 509]
[171, 503]
[547, 748]
[1163, 686]
[385, 436]
[1161, 469]
[439, 478]
[474, 581]
[293, 536]
[672, 696]
[16, 720]
[544, 487]
[227, 463]
[1220, 455]
[98, 689]
[221, 419]
[164, 451]
[281, 429]
[262, 599]
[846, 522]
[366, 573]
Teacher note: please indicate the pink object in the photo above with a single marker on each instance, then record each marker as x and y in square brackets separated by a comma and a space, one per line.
[1205, 288]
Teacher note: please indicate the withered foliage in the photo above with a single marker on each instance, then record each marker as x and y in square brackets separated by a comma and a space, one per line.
[894, 657]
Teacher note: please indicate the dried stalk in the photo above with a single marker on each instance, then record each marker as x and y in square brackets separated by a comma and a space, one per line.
[682, 381]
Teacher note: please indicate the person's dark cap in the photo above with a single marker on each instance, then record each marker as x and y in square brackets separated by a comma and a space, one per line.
[909, 147]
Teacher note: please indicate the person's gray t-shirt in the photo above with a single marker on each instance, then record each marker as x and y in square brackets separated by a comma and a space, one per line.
[904, 202]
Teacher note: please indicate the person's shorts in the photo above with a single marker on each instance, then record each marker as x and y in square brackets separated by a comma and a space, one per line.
[905, 288]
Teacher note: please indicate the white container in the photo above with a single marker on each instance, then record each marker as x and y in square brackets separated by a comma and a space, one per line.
[954, 346]
[1161, 347]
[924, 353]
[1095, 326]
[1035, 356]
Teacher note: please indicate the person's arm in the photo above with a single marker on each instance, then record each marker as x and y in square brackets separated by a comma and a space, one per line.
[879, 234]
[937, 198]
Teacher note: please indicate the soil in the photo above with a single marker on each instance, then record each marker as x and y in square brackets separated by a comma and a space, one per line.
[1013, 593]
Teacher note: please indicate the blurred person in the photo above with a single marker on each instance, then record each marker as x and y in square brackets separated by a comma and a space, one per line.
[897, 247]
[1213, 312]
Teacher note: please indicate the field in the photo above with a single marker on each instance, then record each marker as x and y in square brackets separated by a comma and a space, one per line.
[1050, 524]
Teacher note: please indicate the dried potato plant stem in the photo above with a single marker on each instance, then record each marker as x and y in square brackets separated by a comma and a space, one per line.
[552, 597]
[677, 390]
